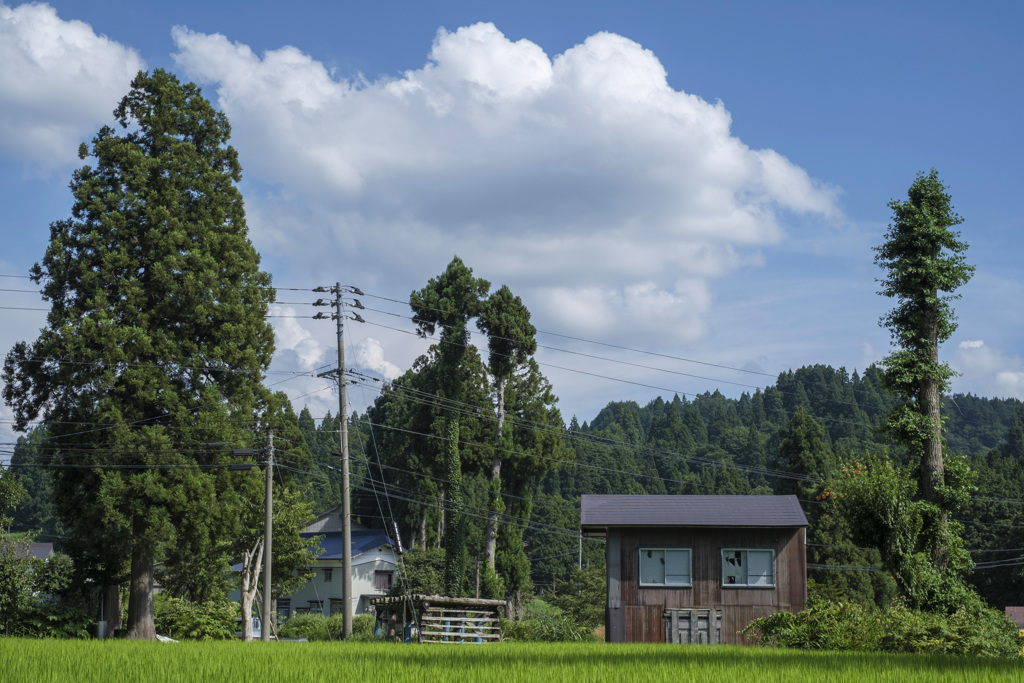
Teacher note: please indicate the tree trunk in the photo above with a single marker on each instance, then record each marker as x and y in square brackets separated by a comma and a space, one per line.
[932, 465]
[140, 591]
[252, 563]
[491, 532]
[110, 599]
[932, 468]
[423, 533]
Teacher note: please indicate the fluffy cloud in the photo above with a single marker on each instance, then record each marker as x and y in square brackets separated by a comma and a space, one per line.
[59, 82]
[585, 177]
[369, 355]
[987, 371]
[296, 347]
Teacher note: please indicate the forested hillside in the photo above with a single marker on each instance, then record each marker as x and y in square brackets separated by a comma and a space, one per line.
[787, 438]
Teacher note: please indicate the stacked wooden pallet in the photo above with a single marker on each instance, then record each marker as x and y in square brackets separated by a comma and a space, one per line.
[443, 619]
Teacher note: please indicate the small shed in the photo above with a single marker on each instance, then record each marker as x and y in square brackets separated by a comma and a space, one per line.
[697, 569]
[440, 618]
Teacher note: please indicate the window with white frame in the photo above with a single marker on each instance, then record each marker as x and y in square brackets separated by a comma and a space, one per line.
[328, 573]
[664, 566]
[748, 567]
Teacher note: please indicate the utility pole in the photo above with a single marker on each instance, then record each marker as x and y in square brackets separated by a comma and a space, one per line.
[268, 535]
[346, 505]
[346, 509]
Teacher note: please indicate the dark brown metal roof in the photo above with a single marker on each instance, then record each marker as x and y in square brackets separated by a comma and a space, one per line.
[725, 511]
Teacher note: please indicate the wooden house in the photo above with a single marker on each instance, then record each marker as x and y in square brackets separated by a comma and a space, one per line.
[697, 568]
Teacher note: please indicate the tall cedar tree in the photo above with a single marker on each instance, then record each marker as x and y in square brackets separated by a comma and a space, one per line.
[924, 263]
[156, 341]
[510, 344]
[448, 302]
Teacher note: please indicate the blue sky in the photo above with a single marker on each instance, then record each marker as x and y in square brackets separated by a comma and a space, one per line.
[698, 180]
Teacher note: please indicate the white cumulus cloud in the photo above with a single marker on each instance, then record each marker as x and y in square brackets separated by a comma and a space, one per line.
[297, 349]
[59, 82]
[369, 354]
[583, 178]
[987, 371]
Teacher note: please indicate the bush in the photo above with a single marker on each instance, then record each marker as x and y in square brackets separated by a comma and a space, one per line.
[362, 627]
[546, 624]
[184, 620]
[308, 626]
[974, 629]
[317, 627]
[50, 617]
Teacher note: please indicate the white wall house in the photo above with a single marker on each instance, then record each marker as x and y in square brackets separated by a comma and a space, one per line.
[374, 567]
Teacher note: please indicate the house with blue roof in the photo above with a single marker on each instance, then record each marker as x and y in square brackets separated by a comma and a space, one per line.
[374, 567]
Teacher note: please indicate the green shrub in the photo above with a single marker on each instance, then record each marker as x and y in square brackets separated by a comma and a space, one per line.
[55, 618]
[184, 620]
[362, 627]
[974, 629]
[315, 627]
[309, 626]
[546, 624]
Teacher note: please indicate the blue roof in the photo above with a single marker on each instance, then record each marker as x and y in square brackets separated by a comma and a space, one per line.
[363, 540]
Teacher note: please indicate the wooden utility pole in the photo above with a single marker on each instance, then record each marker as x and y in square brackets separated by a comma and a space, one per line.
[268, 535]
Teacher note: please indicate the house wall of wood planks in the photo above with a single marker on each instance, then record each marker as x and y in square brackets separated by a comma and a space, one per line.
[636, 613]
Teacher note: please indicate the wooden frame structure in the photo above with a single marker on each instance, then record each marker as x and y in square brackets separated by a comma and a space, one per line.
[440, 618]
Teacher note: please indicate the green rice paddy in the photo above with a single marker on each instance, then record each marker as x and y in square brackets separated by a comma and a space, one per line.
[55, 660]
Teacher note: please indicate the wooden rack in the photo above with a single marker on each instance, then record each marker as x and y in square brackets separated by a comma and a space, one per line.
[441, 618]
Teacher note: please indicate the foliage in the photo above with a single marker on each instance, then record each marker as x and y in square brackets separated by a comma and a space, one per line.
[33, 598]
[924, 263]
[422, 572]
[185, 620]
[973, 629]
[546, 623]
[314, 627]
[582, 596]
[362, 627]
[308, 625]
[888, 516]
[156, 332]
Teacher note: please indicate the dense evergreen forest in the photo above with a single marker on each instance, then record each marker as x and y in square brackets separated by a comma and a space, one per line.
[785, 439]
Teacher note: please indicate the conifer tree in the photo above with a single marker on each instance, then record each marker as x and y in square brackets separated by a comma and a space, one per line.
[156, 341]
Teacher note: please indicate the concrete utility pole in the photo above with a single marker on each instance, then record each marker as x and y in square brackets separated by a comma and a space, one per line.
[268, 535]
[346, 505]
[346, 509]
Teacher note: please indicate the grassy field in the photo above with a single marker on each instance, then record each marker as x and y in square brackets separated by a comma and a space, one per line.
[52, 660]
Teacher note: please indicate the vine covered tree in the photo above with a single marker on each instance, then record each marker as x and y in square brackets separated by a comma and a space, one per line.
[925, 264]
[156, 341]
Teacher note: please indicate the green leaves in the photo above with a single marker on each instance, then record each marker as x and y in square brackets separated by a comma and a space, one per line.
[156, 342]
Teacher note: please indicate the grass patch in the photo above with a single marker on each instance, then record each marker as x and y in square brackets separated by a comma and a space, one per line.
[93, 661]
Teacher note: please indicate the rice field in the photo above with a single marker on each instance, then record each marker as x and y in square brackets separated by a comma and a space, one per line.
[88, 661]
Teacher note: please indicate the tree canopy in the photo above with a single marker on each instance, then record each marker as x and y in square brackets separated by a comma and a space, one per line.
[156, 341]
